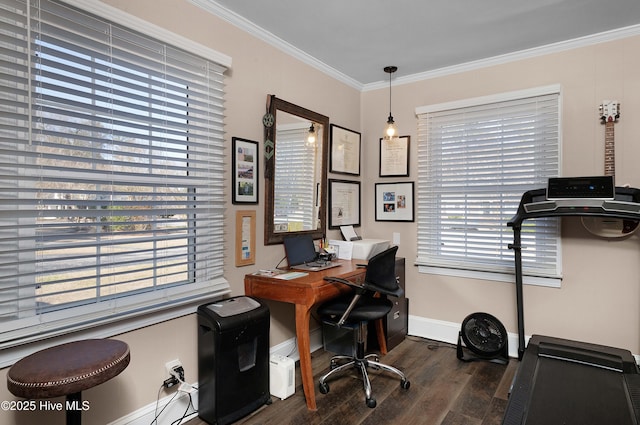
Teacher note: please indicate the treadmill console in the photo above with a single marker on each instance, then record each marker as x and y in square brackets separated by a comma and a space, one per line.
[597, 187]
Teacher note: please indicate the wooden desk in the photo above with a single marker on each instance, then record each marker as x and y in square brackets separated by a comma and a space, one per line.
[304, 292]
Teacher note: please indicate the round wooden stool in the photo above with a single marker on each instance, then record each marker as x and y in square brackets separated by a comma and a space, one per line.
[67, 370]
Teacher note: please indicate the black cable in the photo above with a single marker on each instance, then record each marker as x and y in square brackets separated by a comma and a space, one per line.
[279, 262]
[184, 415]
[155, 420]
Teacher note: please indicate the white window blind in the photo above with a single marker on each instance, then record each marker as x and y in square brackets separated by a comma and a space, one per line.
[476, 159]
[111, 172]
[295, 177]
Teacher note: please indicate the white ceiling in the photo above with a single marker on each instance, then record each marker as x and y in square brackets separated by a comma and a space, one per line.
[356, 39]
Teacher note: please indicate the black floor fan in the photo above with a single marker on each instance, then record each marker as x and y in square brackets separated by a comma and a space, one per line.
[485, 337]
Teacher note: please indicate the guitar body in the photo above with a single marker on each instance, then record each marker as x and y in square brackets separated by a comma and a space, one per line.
[602, 226]
[610, 227]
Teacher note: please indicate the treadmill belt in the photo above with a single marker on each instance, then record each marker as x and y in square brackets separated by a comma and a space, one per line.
[574, 383]
[578, 394]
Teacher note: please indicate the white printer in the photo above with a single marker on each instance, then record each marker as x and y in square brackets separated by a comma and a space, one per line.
[364, 249]
[354, 247]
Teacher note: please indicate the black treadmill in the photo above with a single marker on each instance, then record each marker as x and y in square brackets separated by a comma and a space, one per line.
[568, 382]
[574, 383]
[535, 204]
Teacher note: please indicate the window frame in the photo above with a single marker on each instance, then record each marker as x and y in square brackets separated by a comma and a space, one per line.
[432, 266]
[164, 307]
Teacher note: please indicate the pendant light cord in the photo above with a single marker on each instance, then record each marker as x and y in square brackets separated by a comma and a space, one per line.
[390, 94]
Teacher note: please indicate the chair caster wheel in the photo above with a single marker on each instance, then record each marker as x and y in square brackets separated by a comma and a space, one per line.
[405, 384]
[371, 403]
[323, 387]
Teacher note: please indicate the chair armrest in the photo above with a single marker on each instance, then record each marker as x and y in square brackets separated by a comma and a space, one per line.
[375, 288]
[343, 281]
[359, 291]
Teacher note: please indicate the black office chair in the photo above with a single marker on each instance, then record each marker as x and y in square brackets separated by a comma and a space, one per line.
[357, 310]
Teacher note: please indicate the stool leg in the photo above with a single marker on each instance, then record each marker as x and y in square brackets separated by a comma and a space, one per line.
[74, 409]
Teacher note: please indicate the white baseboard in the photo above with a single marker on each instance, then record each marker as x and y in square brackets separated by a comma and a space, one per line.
[175, 407]
[448, 332]
[289, 348]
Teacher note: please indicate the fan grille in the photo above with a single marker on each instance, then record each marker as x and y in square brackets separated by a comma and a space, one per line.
[483, 334]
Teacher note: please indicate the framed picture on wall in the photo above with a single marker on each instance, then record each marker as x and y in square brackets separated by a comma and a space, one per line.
[394, 201]
[344, 203]
[245, 171]
[344, 154]
[245, 238]
[394, 157]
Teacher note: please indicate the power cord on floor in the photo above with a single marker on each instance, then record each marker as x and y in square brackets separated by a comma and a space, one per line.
[184, 388]
[186, 411]
[157, 414]
[431, 344]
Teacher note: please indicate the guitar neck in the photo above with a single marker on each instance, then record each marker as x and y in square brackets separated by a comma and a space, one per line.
[609, 149]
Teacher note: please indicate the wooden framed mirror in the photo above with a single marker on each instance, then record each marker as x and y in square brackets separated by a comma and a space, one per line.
[295, 172]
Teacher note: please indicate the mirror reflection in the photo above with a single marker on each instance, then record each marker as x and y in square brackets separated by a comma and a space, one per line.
[296, 185]
[297, 174]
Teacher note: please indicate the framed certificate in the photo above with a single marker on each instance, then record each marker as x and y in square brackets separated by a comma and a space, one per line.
[344, 203]
[394, 157]
[344, 155]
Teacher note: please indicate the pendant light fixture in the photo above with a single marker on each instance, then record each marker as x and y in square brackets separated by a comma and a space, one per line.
[391, 130]
[311, 136]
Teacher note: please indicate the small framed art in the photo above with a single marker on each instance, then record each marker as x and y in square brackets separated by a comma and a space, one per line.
[245, 238]
[394, 201]
[245, 171]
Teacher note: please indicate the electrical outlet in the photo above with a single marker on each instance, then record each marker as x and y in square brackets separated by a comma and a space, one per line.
[176, 373]
[172, 365]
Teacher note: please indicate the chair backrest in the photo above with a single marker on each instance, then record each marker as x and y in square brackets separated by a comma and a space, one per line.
[381, 271]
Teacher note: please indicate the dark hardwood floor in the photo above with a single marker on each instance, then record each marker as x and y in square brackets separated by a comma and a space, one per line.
[444, 390]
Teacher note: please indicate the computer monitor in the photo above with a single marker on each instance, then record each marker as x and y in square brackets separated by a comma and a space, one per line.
[299, 249]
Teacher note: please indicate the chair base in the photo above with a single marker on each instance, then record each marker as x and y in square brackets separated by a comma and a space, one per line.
[361, 364]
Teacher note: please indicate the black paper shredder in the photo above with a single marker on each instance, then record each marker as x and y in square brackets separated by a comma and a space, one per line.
[233, 359]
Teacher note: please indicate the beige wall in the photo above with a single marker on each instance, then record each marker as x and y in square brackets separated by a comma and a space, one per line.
[257, 70]
[598, 301]
[600, 293]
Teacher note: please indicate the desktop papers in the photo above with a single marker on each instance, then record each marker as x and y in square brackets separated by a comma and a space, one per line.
[349, 233]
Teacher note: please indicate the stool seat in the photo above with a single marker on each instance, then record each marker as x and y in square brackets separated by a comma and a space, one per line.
[67, 368]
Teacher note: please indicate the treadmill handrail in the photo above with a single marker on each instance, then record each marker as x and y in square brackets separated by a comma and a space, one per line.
[625, 196]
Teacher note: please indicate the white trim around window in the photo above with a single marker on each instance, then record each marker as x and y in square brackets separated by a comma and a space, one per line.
[476, 157]
[112, 178]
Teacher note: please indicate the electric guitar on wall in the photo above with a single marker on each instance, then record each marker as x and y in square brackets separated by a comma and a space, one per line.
[603, 226]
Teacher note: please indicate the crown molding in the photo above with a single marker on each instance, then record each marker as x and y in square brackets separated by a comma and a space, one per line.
[260, 33]
[269, 38]
[585, 41]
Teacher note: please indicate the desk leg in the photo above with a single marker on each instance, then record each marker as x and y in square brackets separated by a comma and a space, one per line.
[303, 314]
